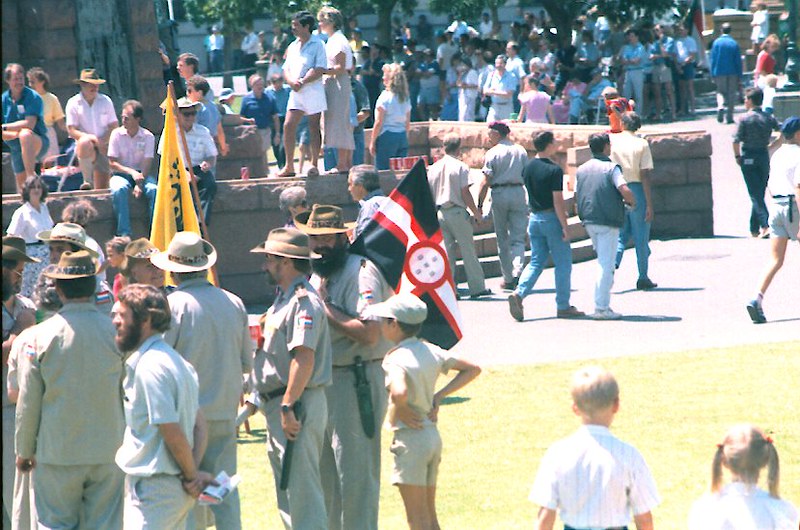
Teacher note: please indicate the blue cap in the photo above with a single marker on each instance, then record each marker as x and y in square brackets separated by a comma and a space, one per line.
[790, 126]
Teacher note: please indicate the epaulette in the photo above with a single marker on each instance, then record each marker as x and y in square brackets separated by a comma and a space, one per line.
[300, 291]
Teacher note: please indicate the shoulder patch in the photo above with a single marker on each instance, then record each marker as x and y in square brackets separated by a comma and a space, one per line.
[305, 320]
[29, 352]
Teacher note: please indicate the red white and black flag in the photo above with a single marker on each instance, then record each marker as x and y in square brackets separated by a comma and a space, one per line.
[404, 240]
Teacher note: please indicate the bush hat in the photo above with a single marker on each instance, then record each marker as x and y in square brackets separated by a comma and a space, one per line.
[67, 233]
[187, 252]
[404, 307]
[322, 219]
[14, 250]
[140, 248]
[74, 265]
[288, 243]
[90, 75]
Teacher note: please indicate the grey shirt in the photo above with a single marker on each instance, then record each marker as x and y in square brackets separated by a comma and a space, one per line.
[504, 163]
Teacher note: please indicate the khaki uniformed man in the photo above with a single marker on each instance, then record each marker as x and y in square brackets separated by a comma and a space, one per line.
[210, 330]
[357, 400]
[166, 432]
[290, 375]
[69, 412]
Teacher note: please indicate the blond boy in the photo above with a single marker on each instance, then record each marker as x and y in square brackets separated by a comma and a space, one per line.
[592, 478]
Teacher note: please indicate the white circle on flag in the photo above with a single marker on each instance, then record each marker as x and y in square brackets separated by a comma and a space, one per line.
[426, 265]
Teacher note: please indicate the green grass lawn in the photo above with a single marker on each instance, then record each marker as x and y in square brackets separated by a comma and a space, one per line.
[675, 408]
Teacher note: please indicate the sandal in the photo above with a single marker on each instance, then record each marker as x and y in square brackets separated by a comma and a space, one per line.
[285, 175]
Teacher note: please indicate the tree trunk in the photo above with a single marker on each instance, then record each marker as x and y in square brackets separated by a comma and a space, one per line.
[384, 11]
[562, 17]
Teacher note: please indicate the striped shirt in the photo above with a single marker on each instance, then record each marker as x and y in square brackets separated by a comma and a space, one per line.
[595, 479]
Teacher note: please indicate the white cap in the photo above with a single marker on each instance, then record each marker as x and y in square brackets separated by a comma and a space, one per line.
[404, 307]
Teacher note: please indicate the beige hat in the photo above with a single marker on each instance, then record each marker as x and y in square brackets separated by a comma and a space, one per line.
[187, 252]
[14, 250]
[286, 242]
[186, 103]
[322, 219]
[67, 233]
[74, 265]
[403, 307]
[140, 248]
[90, 75]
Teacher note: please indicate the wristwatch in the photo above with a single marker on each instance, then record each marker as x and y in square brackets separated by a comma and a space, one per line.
[285, 408]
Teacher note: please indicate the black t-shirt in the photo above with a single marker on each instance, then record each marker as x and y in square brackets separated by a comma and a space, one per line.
[542, 177]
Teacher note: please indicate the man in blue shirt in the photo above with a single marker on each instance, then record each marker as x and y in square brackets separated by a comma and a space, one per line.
[280, 92]
[260, 106]
[197, 90]
[23, 124]
[726, 69]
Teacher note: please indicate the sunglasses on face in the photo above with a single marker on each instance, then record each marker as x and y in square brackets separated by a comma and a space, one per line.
[189, 114]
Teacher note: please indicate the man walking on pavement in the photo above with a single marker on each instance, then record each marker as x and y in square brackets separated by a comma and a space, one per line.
[357, 399]
[209, 329]
[502, 172]
[632, 154]
[290, 375]
[601, 195]
[547, 229]
[456, 210]
[726, 70]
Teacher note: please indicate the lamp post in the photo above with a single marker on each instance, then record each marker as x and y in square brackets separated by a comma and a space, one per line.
[792, 66]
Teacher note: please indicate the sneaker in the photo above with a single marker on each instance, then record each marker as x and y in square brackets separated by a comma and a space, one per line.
[485, 292]
[756, 312]
[645, 284]
[720, 115]
[570, 312]
[605, 314]
[515, 307]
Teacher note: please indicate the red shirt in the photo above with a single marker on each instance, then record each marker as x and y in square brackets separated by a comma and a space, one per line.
[620, 104]
[765, 63]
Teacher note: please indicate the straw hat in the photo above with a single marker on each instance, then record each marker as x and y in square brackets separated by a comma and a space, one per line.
[74, 265]
[90, 75]
[140, 248]
[286, 242]
[322, 219]
[187, 252]
[14, 250]
[67, 233]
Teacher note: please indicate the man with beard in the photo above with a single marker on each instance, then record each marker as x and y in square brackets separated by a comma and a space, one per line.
[67, 432]
[210, 330]
[166, 433]
[357, 400]
[289, 375]
[18, 314]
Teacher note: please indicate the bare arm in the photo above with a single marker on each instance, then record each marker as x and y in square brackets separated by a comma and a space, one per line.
[223, 145]
[200, 435]
[483, 190]
[546, 519]
[627, 195]
[644, 521]
[470, 202]
[467, 371]
[376, 129]
[398, 395]
[29, 122]
[338, 65]
[300, 369]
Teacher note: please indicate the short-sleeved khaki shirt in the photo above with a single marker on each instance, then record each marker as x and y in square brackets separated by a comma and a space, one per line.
[632, 153]
[447, 178]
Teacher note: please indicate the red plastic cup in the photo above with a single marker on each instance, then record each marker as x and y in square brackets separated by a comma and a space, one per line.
[245, 172]
[255, 334]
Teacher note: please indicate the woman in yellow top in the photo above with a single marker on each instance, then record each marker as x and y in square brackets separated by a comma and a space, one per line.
[53, 112]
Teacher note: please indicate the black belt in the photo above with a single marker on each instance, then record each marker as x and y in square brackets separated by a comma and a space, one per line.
[544, 211]
[272, 394]
[783, 196]
[503, 185]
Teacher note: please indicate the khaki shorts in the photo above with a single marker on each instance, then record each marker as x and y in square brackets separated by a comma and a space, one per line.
[779, 223]
[662, 73]
[417, 454]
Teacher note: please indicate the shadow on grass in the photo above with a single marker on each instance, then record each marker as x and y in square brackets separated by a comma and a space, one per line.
[256, 436]
[454, 400]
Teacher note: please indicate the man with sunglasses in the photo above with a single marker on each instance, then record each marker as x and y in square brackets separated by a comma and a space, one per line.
[202, 153]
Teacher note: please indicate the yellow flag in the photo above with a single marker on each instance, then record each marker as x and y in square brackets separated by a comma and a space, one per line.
[174, 211]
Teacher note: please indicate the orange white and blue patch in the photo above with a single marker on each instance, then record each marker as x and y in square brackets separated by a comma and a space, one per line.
[30, 352]
[104, 297]
[305, 320]
[367, 295]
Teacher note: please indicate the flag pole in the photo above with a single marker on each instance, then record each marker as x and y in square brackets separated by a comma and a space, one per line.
[192, 179]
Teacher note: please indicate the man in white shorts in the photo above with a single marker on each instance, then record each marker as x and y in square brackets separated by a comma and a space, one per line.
[784, 212]
[305, 62]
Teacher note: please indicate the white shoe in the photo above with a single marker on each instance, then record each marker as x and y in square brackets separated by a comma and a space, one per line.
[605, 314]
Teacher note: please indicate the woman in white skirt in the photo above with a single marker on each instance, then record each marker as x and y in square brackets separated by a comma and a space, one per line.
[338, 132]
[27, 221]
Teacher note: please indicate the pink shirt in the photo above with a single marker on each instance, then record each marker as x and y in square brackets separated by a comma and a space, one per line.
[131, 151]
[536, 104]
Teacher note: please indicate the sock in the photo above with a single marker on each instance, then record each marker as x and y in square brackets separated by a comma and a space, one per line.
[760, 298]
[87, 169]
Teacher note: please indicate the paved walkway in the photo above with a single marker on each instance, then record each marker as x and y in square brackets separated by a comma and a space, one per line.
[704, 285]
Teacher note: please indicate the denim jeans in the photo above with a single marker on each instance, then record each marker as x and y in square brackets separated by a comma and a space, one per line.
[755, 169]
[509, 214]
[330, 156]
[544, 231]
[279, 150]
[636, 227]
[604, 240]
[390, 145]
[207, 190]
[120, 186]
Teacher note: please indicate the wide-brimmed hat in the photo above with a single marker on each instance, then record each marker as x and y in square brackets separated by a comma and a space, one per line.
[186, 103]
[322, 219]
[288, 243]
[404, 307]
[14, 250]
[90, 75]
[187, 252]
[74, 265]
[67, 233]
[140, 248]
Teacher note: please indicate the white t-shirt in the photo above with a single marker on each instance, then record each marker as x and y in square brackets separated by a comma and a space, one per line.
[784, 170]
[395, 111]
[761, 27]
[92, 119]
[26, 222]
[741, 507]
[470, 78]
[337, 43]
